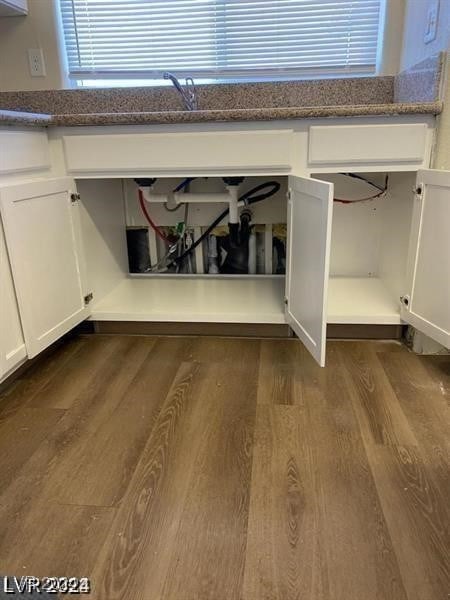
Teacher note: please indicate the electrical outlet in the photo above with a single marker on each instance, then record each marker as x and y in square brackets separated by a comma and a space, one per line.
[431, 22]
[36, 62]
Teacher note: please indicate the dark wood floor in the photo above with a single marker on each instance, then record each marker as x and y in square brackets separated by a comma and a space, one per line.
[221, 469]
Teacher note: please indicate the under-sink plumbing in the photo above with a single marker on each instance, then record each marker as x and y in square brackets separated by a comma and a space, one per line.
[231, 253]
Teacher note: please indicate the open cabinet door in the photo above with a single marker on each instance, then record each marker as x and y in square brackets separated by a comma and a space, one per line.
[426, 302]
[310, 209]
[42, 232]
[12, 344]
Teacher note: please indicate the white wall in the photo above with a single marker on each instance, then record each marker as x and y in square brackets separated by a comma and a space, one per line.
[36, 30]
[414, 48]
[441, 158]
[391, 22]
[40, 30]
[442, 152]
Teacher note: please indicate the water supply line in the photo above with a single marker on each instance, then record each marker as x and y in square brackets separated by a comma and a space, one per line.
[256, 194]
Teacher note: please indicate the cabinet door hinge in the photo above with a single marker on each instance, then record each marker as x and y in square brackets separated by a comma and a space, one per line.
[75, 197]
[418, 190]
[288, 194]
[88, 298]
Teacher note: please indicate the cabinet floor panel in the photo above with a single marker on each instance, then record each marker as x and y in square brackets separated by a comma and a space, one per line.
[194, 300]
[361, 300]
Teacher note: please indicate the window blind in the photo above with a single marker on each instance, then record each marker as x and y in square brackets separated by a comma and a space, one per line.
[219, 39]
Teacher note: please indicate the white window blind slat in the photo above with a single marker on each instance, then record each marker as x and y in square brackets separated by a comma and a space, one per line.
[219, 39]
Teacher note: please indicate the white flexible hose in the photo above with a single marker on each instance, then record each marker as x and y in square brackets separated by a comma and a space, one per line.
[233, 191]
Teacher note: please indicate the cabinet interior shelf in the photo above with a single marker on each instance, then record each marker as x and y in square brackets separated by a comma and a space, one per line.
[246, 300]
[194, 300]
[362, 300]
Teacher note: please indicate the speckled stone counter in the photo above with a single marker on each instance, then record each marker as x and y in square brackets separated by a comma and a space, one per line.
[412, 92]
[421, 82]
[255, 114]
[203, 116]
[289, 94]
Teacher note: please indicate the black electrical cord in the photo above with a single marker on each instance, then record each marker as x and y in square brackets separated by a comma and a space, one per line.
[248, 198]
[356, 176]
[382, 190]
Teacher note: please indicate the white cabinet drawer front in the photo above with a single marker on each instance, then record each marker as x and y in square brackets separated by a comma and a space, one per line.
[342, 144]
[23, 151]
[203, 151]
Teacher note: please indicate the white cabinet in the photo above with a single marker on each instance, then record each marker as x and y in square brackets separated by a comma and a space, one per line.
[319, 145]
[310, 209]
[356, 144]
[336, 273]
[22, 151]
[346, 262]
[13, 8]
[426, 302]
[162, 152]
[12, 344]
[41, 224]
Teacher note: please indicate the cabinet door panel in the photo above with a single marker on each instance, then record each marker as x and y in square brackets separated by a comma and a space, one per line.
[310, 210]
[426, 305]
[12, 344]
[42, 235]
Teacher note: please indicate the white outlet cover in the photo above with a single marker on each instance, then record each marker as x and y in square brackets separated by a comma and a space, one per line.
[36, 62]
[431, 22]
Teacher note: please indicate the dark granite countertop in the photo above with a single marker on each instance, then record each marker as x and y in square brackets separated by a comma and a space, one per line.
[8, 117]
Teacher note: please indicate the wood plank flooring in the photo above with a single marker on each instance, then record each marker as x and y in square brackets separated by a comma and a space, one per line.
[229, 469]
